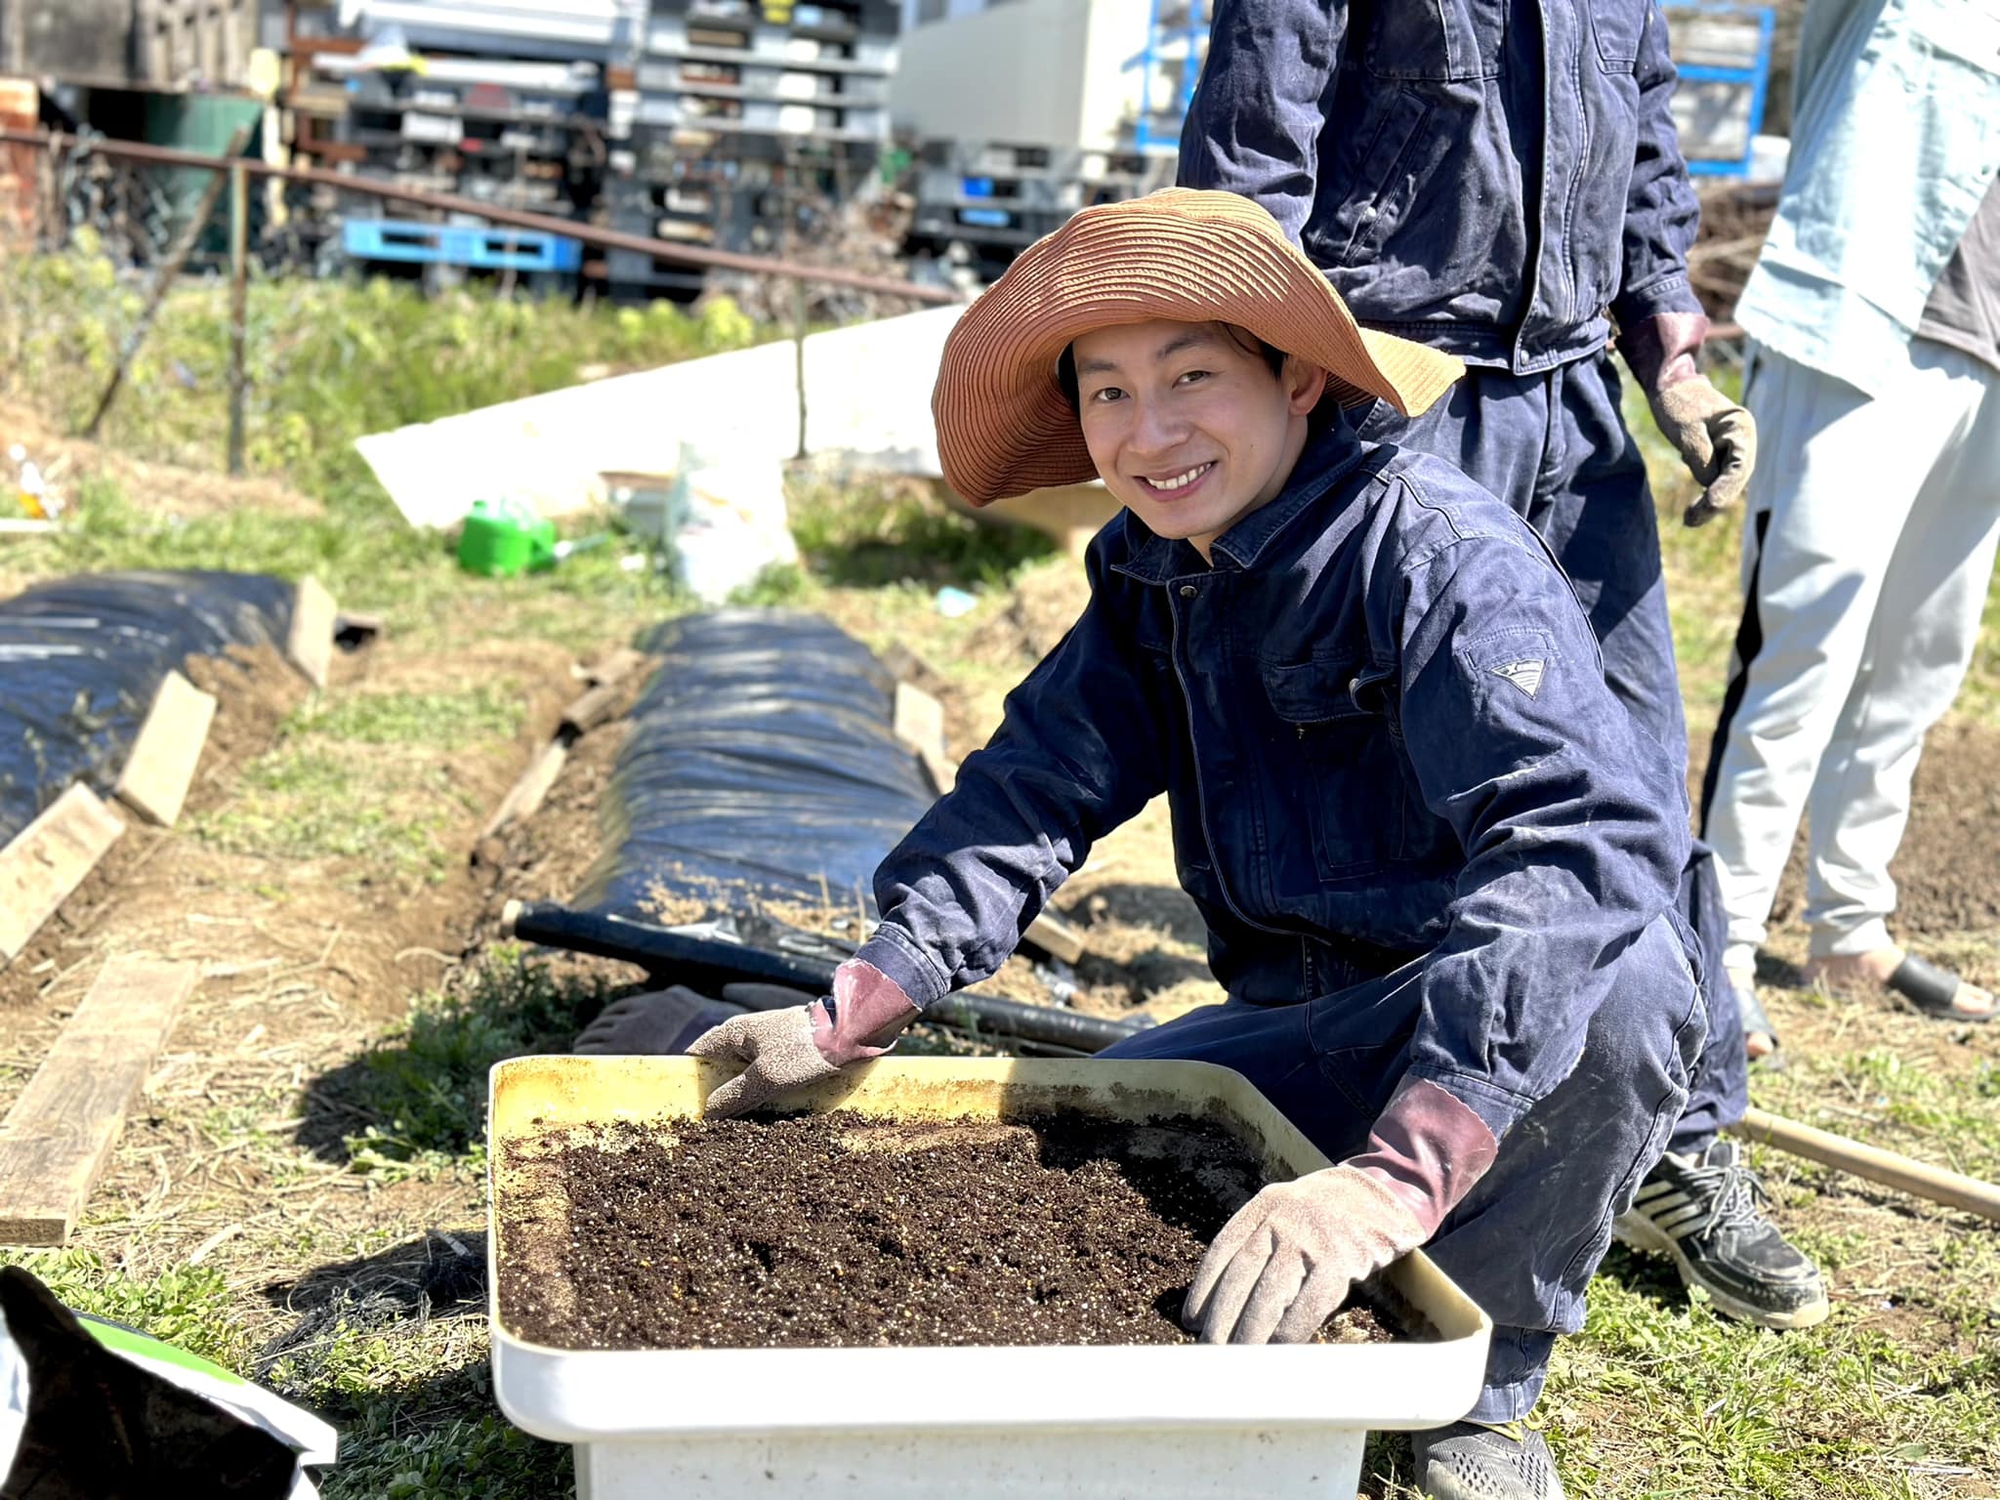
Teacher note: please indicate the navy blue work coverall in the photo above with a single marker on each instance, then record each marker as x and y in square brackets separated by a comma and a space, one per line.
[1424, 836]
[1500, 179]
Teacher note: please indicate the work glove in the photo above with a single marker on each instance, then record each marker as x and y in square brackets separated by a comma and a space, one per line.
[1716, 437]
[785, 1050]
[1287, 1259]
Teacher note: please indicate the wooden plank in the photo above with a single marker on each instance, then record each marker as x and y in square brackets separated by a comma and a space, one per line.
[592, 709]
[59, 1134]
[1055, 937]
[527, 794]
[918, 720]
[614, 666]
[311, 645]
[161, 767]
[919, 723]
[48, 860]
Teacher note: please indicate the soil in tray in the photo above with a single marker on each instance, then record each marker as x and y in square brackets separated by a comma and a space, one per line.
[840, 1230]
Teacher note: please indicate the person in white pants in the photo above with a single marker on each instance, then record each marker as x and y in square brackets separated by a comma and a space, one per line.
[1870, 534]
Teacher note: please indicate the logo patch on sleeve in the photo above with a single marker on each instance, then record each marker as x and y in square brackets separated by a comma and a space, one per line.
[1525, 675]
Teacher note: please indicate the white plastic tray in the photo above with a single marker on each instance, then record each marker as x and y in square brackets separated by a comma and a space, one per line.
[1085, 1421]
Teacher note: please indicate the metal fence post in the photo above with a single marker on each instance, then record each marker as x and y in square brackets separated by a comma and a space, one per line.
[239, 289]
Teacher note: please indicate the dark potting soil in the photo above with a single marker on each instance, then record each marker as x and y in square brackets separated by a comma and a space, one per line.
[841, 1230]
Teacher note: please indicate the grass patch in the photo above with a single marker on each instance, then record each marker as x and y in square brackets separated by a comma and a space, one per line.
[305, 801]
[189, 1307]
[1662, 1397]
[1897, 1103]
[894, 531]
[367, 556]
[483, 1458]
[442, 721]
[425, 1082]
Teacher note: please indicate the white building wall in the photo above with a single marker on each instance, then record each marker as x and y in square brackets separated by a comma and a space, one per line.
[1023, 72]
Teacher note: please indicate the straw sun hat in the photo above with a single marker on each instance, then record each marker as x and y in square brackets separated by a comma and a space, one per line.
[1003, 423]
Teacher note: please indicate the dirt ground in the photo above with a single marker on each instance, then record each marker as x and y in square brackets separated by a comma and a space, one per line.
[299, 958]
[1947, 870]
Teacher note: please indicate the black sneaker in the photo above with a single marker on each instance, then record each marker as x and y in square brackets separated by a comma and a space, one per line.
[1471, 1461]
[1707, 1212]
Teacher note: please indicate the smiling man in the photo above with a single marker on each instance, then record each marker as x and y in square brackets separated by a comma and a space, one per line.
[1436, 858]
[1180, 422]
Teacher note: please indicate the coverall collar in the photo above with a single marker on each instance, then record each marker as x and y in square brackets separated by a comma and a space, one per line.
[1324, 461]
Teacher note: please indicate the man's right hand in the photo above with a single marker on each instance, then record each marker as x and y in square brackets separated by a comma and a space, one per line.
[785, 1050]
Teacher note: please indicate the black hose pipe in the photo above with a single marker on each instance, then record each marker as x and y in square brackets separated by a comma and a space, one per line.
[707, 964]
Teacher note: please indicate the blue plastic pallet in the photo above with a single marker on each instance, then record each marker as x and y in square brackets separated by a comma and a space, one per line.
[1754, 76]
[460, 245]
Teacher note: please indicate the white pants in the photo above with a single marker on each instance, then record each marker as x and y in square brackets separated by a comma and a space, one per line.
[1867, 550]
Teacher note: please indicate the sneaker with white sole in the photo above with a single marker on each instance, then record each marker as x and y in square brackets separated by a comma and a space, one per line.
[1472, 1461]
[1707, 1213]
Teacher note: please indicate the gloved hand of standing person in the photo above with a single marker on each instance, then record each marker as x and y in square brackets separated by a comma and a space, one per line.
[784, 1050]
[1716, 437]
[1285, 1261]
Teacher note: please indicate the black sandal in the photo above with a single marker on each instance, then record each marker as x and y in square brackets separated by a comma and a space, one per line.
[1933, 991]
[1750, 1011]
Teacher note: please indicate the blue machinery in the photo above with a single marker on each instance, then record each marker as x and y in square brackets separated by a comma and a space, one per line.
[1181, 33]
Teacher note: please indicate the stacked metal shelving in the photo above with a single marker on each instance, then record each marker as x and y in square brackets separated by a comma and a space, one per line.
[507, 102]
[742, 113]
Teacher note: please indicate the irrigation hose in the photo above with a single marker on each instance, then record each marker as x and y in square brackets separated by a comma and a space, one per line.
[706, 964]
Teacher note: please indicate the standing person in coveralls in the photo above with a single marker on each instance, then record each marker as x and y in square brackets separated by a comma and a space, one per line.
[1501, 180]
[1437, 859]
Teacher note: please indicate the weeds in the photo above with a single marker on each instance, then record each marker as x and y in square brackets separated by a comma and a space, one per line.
[188, 1307]
[866, 536]
[425, 1082]
[328, 360]
[441, 721]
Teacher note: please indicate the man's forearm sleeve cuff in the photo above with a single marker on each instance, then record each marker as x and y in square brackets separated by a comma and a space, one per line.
[897, 955]
[1428, 1148]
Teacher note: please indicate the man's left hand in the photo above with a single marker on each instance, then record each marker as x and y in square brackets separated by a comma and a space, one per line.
[1283, 1264]
[1717, 440]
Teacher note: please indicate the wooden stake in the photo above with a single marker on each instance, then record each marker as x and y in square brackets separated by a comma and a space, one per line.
[310, 646]
[591, 709]
[614, 666]
[162, 764]
[57, 1138]
[527, 794]
[918, 721]
[48, 860]
[1890, 1168]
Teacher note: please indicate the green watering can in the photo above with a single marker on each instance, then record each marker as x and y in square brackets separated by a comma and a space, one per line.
[503, 539]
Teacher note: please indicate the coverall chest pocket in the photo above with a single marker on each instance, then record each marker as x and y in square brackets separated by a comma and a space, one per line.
[1446, 40]
[1618, 25]
[1338, 768]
